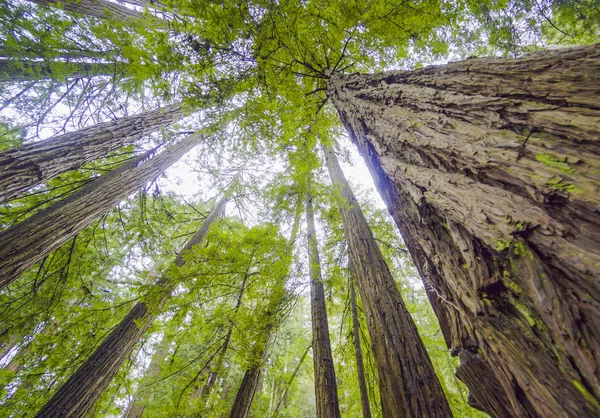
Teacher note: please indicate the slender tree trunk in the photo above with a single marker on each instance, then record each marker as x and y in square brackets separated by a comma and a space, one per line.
[360, 367]
[289, 383]
[77, 396]
[26, 70]
[325, 383]
[214, 374]
[100, 9]
[136, 407]
[34, 163]
[407, 382]
[28, 242]
[490, 169]
[245, 395]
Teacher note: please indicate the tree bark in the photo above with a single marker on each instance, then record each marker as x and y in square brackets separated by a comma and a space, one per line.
[28, 242]
[77, 396]
[360, 367]
[34, 163]
[12, 70]
[407, 382]
[490, 169]
[325, 382]
[245, 394]
[100, 9]
[136, 407]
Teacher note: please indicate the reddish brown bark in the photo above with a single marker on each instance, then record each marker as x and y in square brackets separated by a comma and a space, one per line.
[325, 382]
[77, 396]
[28, 242]
[100, 9]
[34, 163]
[360, 366]
[407, 382]
[490, 169]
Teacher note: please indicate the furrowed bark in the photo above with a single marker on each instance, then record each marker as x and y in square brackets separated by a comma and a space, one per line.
[12, 70]
[31, 164]
[245, 395]
[28, 242]
[360, 367]
[100, 9]
[490, 169]
[407, 382]
[325, 383]
[77, 396]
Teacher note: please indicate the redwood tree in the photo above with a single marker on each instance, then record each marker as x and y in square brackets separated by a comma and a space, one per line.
[100, 9]
[29, 241]
[34, 163]
[77, 396]
[407, 382]
[490, 169]
[325, 383]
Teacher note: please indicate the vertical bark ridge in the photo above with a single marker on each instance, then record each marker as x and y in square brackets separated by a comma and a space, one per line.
[407, 382]
[28, 242]
[78, 395]
[325, 382]
[490, 169]
[34, 163]
[360, 367]
[100, 9]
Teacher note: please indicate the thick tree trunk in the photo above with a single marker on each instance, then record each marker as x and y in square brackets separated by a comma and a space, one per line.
[31, 164]
[77, 396]
[28, 242]
[136, 407]
[101, 9]
[490, 169]
[325, 383]
[407, 382]
[360, 367]
[25, 70]
[245, 395]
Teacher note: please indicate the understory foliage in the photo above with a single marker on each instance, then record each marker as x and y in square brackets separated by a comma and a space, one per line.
[252, 76]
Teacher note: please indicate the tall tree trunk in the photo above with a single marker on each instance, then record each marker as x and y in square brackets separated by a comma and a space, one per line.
[26, 70]
[28, 242]
[245, 394]
[360, 367]
[77, 396]
[407, 382]
[101, 9]
[490, 169]
[325, 383]
[34, 163]
[136, 407]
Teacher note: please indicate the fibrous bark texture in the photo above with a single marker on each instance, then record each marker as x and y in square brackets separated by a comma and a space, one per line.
[407, 382]
[360, 366]
[34, 163]
[26, 70]
[245, 395]
[325, 383]
[490, 169]
[101, 9]
[77, 396]
[28, 242]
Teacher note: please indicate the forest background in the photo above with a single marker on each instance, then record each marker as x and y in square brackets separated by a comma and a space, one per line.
[250, 77]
